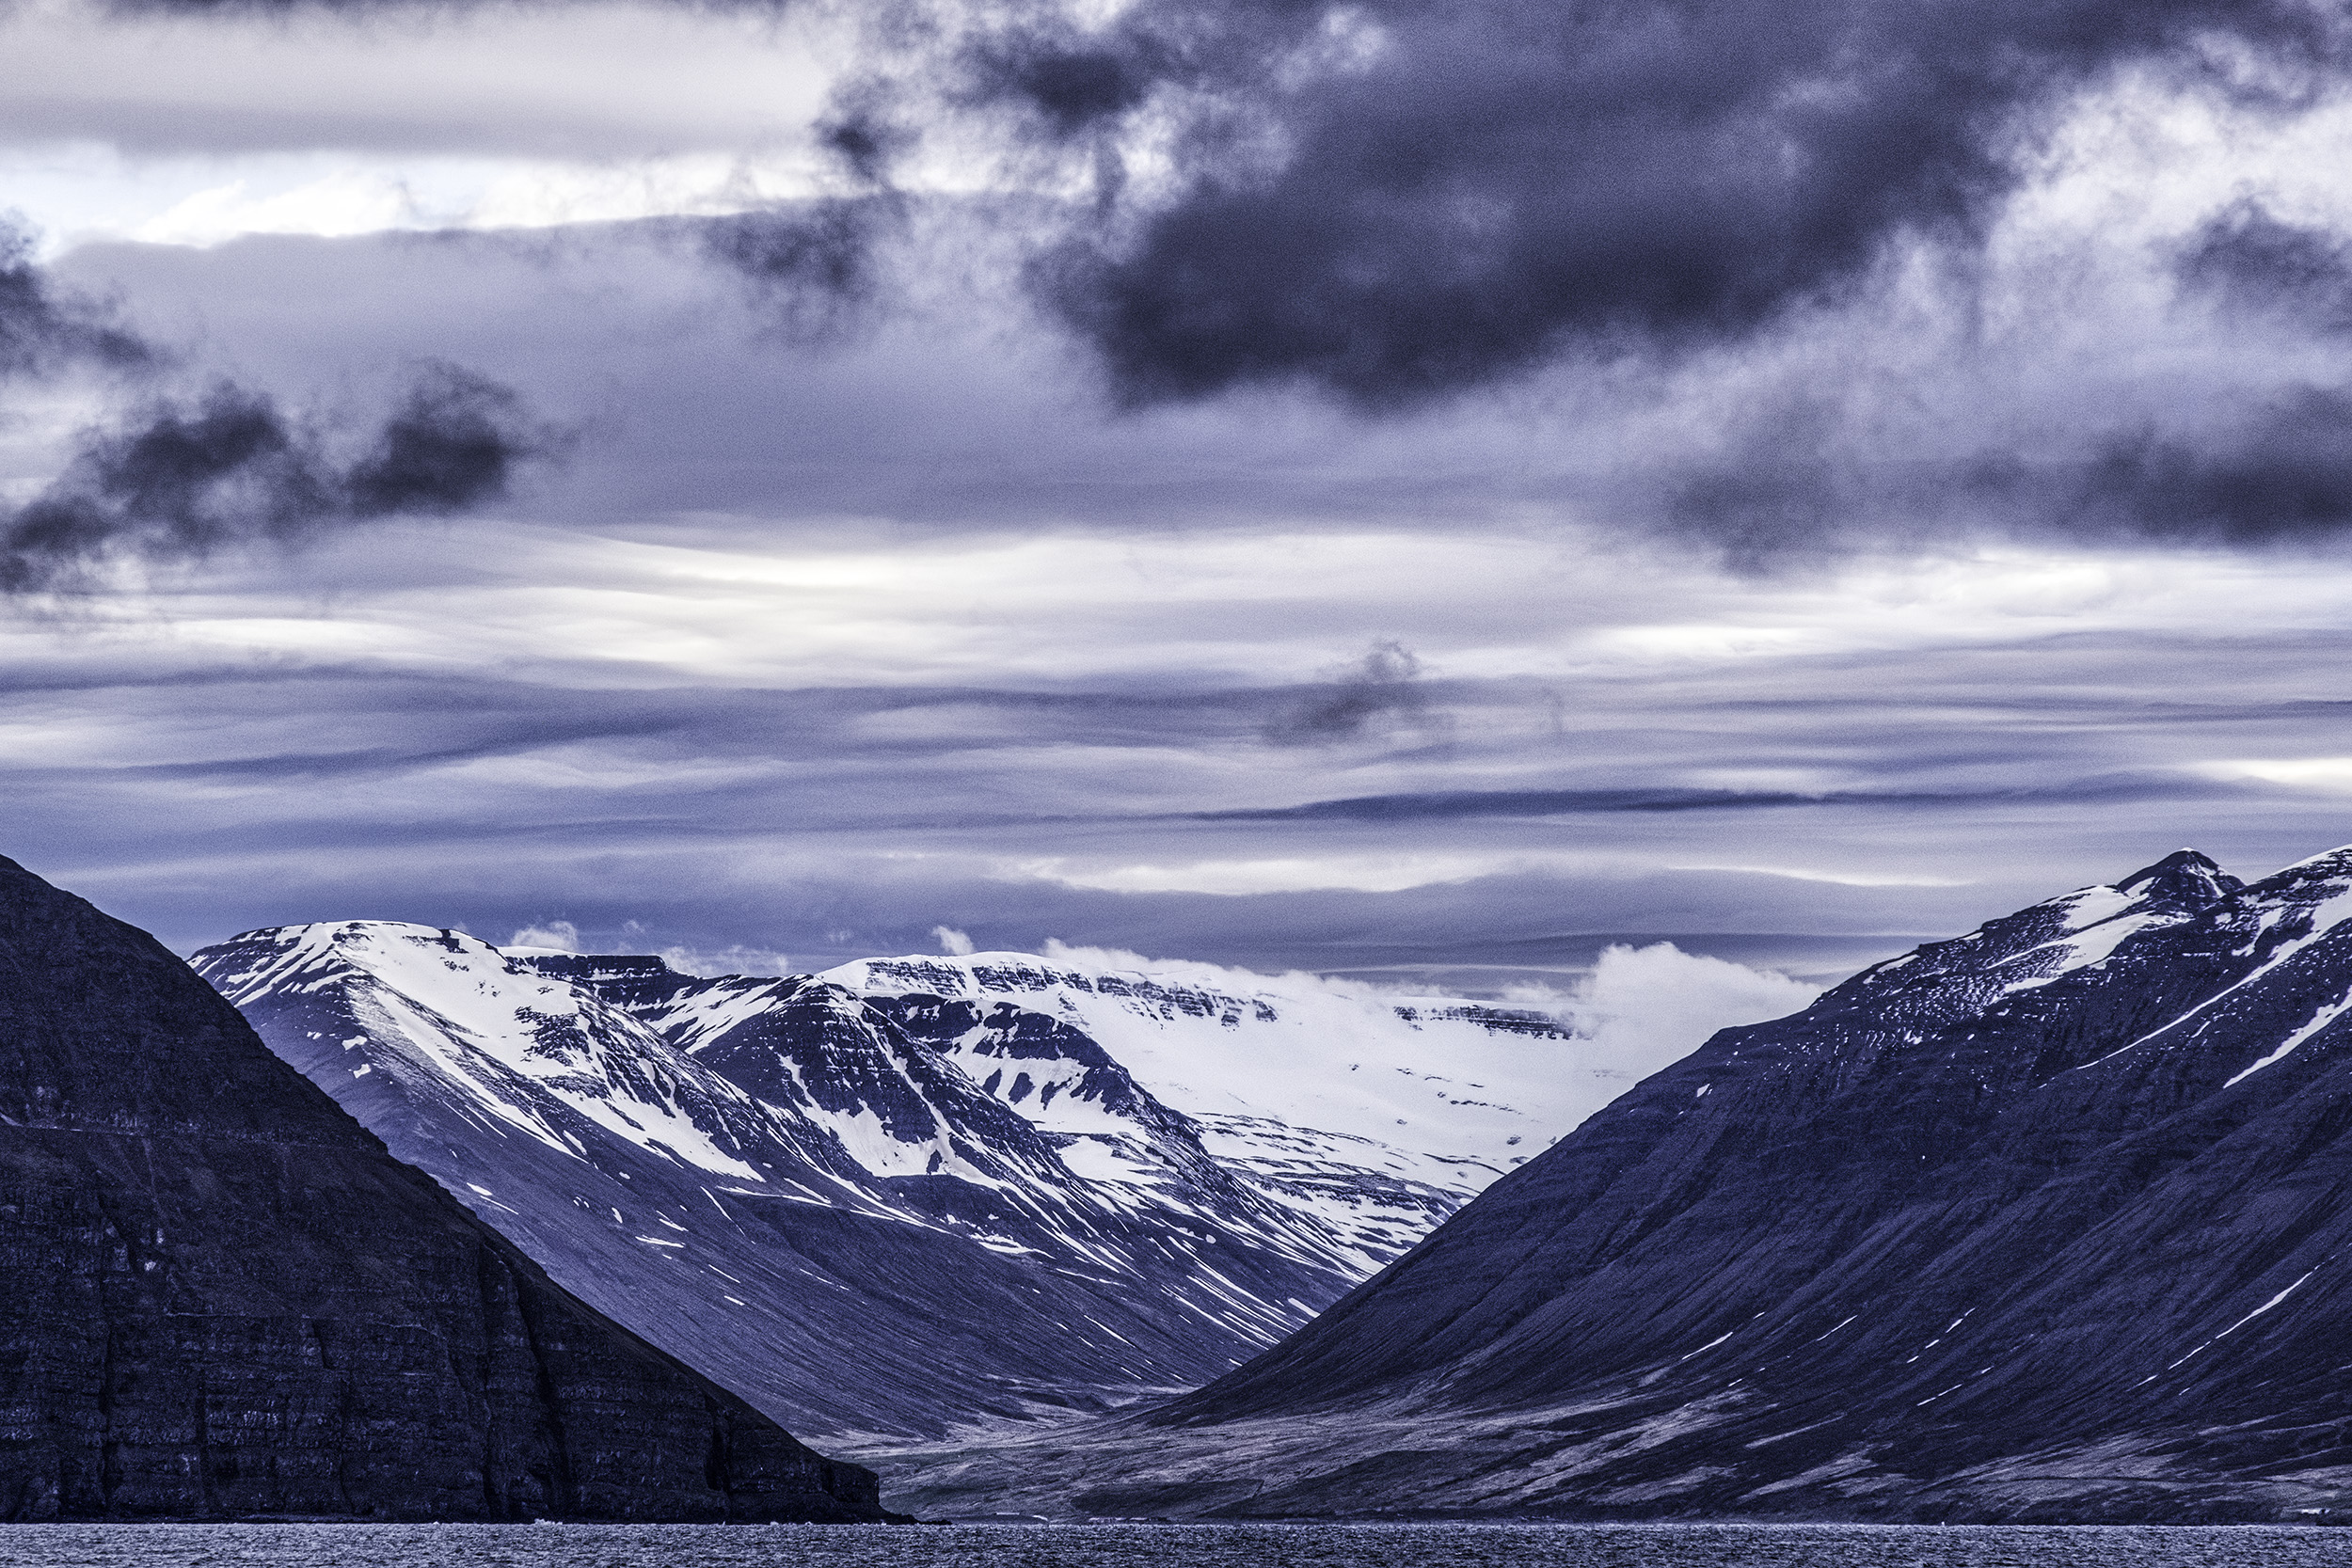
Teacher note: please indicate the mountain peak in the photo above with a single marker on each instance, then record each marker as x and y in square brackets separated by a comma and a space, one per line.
[2185, 878]
[626, 979]
[2026, 1225]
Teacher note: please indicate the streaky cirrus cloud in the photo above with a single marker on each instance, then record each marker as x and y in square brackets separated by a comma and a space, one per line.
[1461, 805]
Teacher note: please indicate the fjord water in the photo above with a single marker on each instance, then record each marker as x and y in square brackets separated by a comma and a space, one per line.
[1305, 1545]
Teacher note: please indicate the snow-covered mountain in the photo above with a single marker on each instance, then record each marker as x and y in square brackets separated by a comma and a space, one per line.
[1288, 1078]
[914, 1194]
[2051, 1222]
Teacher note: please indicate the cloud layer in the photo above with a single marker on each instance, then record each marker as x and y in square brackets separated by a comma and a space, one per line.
[1246, 481]
[1402, 200]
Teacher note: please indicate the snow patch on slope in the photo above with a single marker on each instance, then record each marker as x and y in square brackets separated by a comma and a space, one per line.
[2099, 920]
[492, 1027]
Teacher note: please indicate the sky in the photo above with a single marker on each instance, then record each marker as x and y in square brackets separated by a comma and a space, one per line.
[1420, 492]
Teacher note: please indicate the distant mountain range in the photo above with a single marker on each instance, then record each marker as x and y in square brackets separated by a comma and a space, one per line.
[918, 1195]
[220, 1298]
[2049, 1222]
[2052, 1221]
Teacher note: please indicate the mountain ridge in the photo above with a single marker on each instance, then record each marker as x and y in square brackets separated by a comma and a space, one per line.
[2046, 1222]
[880, 1211]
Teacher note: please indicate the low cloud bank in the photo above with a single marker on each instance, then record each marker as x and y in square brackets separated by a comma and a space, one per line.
[1639, 1009]
[1643, 1007]
[559, 935]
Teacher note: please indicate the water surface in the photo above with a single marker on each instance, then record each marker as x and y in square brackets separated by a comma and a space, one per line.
[1306, 1546]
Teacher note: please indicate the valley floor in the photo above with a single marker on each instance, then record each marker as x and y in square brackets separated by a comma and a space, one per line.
[1498, 1467]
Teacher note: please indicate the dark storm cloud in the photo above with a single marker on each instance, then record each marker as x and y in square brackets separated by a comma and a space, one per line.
[43, 328]
[454, 443]
[1392, 200]
[813, 266]
[2249, 257]
[1771, 497]
[861, 134]
[2270, 470]
[242, 8]
[2283, 473]
[1379, 692]
[1395, 202]
[938, 414]
[181, 480]
[1467, 191]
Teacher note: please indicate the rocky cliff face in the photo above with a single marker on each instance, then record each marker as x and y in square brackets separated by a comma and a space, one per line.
[220, 1297]
[2053, 1221]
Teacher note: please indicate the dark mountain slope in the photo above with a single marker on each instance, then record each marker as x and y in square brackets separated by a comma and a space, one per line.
[1673, 1213]
[2053, 1221]
[220, 1297]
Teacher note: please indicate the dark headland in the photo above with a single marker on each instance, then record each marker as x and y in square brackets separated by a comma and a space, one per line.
[220, 1297]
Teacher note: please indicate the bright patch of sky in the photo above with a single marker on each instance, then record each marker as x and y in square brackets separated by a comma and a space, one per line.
[84, 193]
[193, 130]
